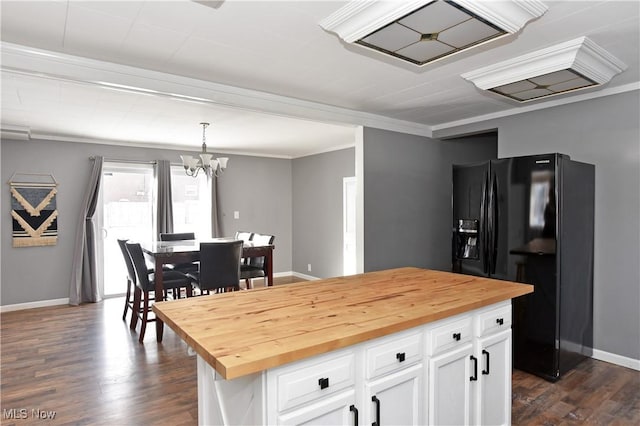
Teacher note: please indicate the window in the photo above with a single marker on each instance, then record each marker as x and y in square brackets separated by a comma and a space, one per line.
[191, 203]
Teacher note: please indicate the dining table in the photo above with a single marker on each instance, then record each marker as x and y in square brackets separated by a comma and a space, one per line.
[170, 252]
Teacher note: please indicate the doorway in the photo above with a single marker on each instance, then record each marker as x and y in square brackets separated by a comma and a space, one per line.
[125, 212]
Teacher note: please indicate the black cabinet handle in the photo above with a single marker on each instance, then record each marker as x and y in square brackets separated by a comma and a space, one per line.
[400, 356]
[377, 401]
[354, 410]
[475, 369]
[500, 321]
[486, 354]
[323, 382]
[457, 336]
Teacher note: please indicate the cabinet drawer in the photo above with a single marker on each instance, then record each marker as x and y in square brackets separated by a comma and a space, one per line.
[390, 355]
[312, 380]
[494, 320]
[450, 335]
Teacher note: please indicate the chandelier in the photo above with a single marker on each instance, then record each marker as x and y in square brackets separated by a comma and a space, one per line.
[209, 165]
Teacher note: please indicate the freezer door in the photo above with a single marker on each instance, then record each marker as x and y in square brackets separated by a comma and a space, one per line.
[524, 224]
[469, 255]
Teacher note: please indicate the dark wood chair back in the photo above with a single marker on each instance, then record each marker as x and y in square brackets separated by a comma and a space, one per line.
[220, 265]
[178, 236]
[140, 266]
[131, 272]
[260, 239]
[243, 235]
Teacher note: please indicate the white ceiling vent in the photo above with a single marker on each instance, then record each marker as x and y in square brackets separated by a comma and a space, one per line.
[423, 31]
[565, 67]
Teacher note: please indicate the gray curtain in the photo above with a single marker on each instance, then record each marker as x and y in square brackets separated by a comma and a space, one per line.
[215, 210]
[84, 278]
[164, 211]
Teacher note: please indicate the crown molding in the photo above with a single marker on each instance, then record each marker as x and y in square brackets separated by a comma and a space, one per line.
[581, 55]
[511, 16]
[358, 19]
[15, 132]
[25, 134]
[436, 129]
[24, 60]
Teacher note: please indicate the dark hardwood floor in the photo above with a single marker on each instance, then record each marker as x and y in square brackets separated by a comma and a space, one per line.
[85, 365]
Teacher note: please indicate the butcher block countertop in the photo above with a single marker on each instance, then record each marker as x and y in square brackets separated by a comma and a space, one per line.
[244, 332]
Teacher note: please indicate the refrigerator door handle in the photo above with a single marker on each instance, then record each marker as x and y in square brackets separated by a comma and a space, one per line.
[489, 239]
[483, 223]
[493, 217]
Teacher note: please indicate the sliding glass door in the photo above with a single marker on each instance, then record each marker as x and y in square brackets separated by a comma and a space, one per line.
[127, 207]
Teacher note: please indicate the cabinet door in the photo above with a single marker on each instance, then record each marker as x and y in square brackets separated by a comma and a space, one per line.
[395, 399]
[449, 386]
[493, 389]
[330, 411]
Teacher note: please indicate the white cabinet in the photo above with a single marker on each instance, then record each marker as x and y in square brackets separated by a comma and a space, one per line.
[492, 391]
[393, 390]
[450, 346]
[330, 411]
[470, 368]
[456, 371]
[449, 387]
[304, 382]
[320, 391]
[395, 399]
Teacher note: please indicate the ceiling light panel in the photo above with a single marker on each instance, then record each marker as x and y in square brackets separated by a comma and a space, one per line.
[566, 67]
[423, 31]
[546, 85]
[436, 30]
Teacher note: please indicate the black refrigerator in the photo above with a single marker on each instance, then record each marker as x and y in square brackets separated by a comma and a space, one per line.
[530, 219]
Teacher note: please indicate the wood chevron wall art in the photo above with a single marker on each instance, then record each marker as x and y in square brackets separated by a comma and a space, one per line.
[34, 212]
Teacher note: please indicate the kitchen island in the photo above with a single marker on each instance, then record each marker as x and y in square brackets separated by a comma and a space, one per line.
[404, 345]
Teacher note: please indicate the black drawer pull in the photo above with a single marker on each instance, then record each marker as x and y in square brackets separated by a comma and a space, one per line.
[486, 354]
[354, 410]
[400, 356]
[457, 336]
[323, 382]
[500, 321]
[475, 368]
[377, 402]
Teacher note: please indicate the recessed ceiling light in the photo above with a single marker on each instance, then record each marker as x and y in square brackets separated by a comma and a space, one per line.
[565, 67]
[423, 31]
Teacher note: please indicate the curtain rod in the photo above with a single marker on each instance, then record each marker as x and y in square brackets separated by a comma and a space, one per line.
[116, 160]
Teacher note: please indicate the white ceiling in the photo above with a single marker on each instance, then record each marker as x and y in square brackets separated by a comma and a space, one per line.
[229, 62]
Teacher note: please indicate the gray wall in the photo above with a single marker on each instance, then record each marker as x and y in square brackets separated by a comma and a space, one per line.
[260, 188]
[407, 196]
[604, 132]
[317, 211]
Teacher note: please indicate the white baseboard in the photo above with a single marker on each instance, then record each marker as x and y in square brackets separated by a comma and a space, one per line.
[303, 276]
[31, 305]
[616, 359]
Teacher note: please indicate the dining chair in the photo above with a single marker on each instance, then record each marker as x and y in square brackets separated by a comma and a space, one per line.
[177, 236]
[219, 267]
[131, 281]
[244, 236]
[181, 236]
[255, 267]
[145, 284]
